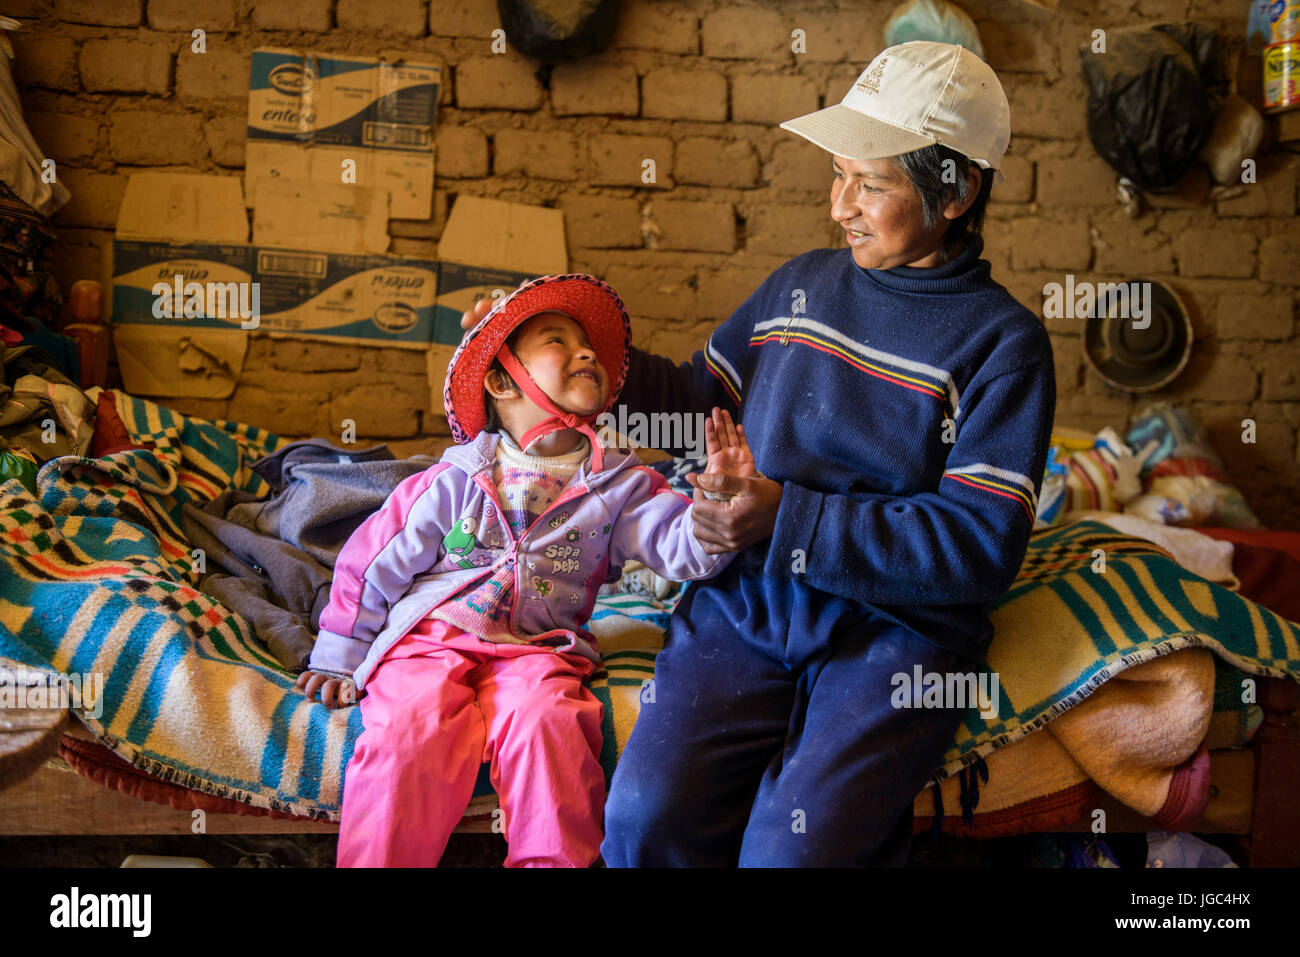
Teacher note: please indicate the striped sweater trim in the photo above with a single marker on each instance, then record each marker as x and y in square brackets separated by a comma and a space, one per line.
[999, 481]
[723, 370]
[908, 373]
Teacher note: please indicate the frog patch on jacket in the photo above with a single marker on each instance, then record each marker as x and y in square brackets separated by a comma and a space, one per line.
[461, 541]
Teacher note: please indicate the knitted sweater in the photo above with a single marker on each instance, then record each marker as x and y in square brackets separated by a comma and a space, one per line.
[906, 414]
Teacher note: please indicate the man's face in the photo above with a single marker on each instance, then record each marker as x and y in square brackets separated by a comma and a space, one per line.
[556, 353]
[880, 211]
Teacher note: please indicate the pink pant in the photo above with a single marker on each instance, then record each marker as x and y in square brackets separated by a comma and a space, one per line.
[439, 704]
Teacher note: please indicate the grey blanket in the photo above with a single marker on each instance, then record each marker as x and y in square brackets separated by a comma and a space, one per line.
[321, 493]
[271, 560]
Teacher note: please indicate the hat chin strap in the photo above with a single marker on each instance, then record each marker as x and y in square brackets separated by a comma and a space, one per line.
[559, 418]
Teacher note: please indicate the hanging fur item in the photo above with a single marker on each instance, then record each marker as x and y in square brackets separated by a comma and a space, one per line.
[557, 30]
[1235, 137]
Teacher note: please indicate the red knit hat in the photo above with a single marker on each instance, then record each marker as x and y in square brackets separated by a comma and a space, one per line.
[590, 303]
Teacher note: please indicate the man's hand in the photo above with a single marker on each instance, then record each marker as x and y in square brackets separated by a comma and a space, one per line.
[472, 316]
[334, 692]
[731, 526]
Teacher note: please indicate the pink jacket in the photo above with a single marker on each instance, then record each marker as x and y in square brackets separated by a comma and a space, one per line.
[441, 530]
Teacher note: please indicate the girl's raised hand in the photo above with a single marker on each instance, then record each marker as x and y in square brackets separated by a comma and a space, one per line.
[728, 450]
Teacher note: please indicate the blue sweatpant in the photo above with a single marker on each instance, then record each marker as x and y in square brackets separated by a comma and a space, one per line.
[769, 746]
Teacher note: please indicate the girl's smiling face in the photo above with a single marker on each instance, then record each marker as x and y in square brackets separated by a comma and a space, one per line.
[881, 214]
[557, 354]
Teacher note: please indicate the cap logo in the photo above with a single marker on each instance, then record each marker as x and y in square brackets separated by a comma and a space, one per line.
[870, 83]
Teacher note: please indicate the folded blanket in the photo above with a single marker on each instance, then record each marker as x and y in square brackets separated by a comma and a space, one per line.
[1132, 737]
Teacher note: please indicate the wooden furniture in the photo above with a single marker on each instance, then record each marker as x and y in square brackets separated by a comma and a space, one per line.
[29, 737]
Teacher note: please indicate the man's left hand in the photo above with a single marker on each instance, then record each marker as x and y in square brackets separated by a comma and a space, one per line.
[748, 517]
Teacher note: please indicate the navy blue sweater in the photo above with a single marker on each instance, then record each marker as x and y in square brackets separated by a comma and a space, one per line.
[906, 412]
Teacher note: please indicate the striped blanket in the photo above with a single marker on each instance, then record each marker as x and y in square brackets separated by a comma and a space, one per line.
[96, 577]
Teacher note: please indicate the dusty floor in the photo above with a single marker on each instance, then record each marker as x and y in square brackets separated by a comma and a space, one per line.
[465, 850]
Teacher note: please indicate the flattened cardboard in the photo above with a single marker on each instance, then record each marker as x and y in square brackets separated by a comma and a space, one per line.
[329, 218]
[338, 99]
[408, 179]
[378, 113]
[488, 248]
[162, 361]
[179, 206]
[375, 299]
[156, 361]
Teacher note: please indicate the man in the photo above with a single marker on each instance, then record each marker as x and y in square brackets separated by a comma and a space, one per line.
[899, 403]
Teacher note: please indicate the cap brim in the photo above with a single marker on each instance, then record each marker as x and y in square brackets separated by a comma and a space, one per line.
[845, 132]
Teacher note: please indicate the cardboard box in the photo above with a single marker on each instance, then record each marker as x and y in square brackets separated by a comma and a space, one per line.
[343, 120]
[328, 218]
[166, 349]
[176, 206]
[488, 248]
[340, 295]
[165, 361]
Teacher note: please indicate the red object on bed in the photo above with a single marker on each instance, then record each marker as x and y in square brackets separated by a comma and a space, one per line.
[1268, 566]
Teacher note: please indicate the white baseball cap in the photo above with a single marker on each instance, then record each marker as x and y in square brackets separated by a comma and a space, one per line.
[914, 95]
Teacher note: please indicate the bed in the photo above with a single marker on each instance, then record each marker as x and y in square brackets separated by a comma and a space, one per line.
[1145, 693]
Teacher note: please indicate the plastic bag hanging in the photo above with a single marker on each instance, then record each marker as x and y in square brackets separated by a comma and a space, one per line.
[935, 20]
[1151, 99]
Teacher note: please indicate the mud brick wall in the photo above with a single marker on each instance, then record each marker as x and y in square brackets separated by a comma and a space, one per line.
[110, 88]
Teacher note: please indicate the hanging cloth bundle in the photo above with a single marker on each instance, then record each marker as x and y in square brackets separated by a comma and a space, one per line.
[558, 30]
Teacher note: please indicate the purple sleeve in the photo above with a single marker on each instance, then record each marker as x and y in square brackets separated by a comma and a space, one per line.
[656, 526]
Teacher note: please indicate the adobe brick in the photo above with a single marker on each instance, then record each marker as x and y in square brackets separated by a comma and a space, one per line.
[706, 161]
[186, 15]
[545, 155]
[594, 88]
[497, 82]
[127, 66]
[689, 224]
[314, 16]
[602, 221]
[108, 13]
[771, 99]
[745, 32]
[673, 94]
[461, 152]
[618, 160]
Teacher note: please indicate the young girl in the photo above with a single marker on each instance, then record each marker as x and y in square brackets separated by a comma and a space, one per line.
[458, 606]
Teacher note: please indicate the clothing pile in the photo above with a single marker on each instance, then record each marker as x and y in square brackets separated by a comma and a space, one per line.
[271, 559]
[1164, 471]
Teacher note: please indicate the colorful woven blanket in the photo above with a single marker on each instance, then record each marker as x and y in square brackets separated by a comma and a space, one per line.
[96, 577]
